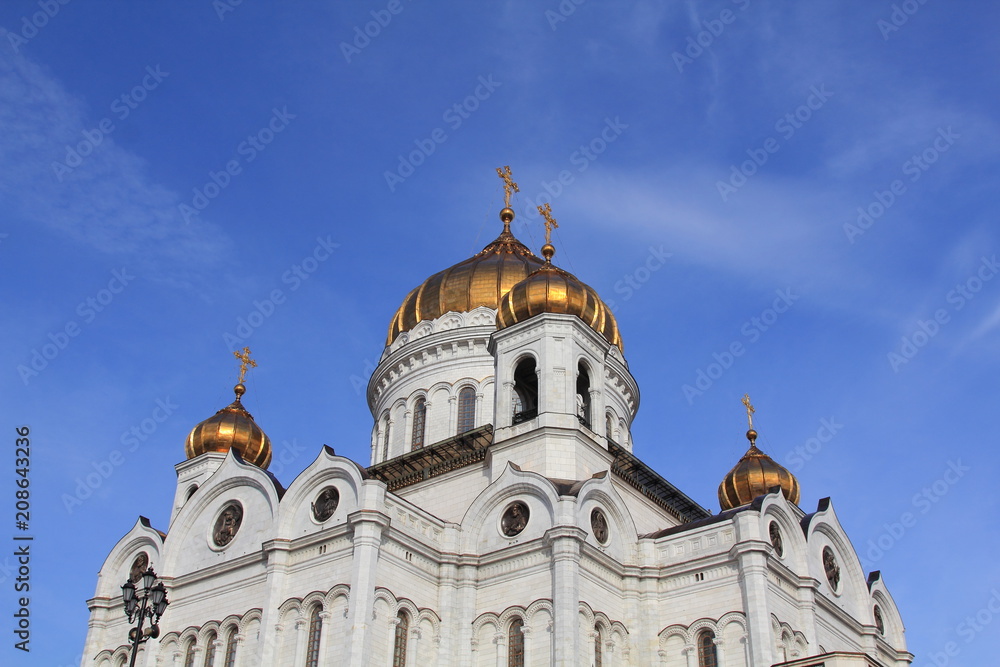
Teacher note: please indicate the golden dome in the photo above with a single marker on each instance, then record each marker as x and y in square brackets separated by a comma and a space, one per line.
[754, 475]
[480, 280]
[232, 427]
[551, 290]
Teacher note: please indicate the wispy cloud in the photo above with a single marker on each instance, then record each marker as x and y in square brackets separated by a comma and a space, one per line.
[108, 202]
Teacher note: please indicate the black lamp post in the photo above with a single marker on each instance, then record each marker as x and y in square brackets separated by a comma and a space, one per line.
[151, 605]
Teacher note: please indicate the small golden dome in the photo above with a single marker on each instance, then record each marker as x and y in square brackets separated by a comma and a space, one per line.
[551, 290]
[480, 280]
[232, 427]
[754, 475]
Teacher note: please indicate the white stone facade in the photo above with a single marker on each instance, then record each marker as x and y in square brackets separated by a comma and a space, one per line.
[415, 554]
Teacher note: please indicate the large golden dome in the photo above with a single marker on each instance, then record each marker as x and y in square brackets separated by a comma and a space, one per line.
[480, 280]
[754, 475]
[232, 427]
[549, 289]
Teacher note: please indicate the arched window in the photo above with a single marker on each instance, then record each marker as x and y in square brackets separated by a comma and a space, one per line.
[706, 649]
[609, 426]
[399, 644]
[210, 650]
[583, 395]
[385, 437]
[312, 640]
[231, 648]
[466, 410]
[189, 654]
[515, 644]
[598, 656]
[419, 423]
[525, 397]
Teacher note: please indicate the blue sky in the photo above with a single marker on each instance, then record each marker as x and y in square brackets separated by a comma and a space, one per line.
[168, 169]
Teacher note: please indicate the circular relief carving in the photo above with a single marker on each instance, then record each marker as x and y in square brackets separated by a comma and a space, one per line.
[831, 568]
[879, 623]
[599, 525]
[228, 524]
[139, 566]
[514, 519]
[326, 504]
[774, 532]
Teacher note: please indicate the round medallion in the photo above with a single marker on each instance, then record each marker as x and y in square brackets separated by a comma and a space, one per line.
[228, 524]
[879, 623]
[139, 566]
[514, 519]
[774, 532]
[326, 504]
[831, 568]
[599, 525]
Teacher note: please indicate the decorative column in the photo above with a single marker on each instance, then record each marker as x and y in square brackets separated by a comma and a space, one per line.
[407, 430]
[301, 631]
[691, 654]
[505, 405]
[452, 415]
[414, 648]
[324, 632]
[526, 633]
[214, 648]
[478, 419]
[240, 638]
[751, 557]
[565, 541]
[368, 526]
[500, 641]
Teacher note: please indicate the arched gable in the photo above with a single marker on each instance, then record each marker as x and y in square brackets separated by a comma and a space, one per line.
[295, 516]
[480, 525]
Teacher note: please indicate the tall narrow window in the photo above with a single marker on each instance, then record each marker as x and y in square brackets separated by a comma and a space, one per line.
[609, 426]
[419, 423]
[385, 438]
[189, 654]
[515, 643]
[210, 650]
[466, 410]
[399, 644]
[231, 648]
[706, 649]
[598, 656]
[525, 397]
[583, 395]
[312, 641]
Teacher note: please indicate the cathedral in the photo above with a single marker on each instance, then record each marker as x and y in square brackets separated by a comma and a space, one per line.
[502, 519]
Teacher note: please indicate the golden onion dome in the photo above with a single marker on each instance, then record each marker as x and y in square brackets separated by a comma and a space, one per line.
[232, 427]
[480, 280]
[549, 289]
[755, 475]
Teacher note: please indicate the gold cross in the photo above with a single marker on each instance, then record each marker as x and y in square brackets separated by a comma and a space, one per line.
[245, 362]
[550, 222]
[750, 409]
[509, 186]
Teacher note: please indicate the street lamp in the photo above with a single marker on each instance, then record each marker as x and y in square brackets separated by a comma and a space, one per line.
[151, 605]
